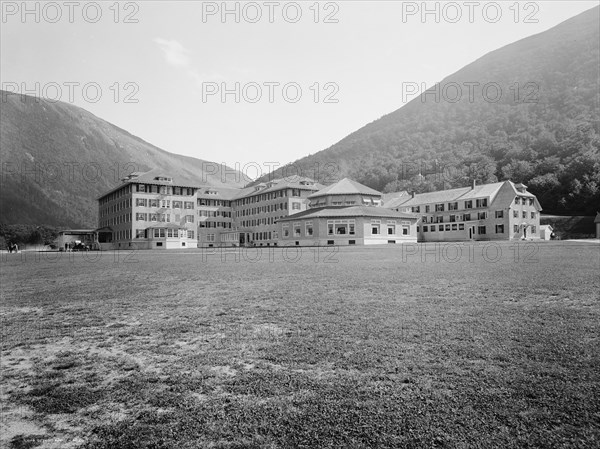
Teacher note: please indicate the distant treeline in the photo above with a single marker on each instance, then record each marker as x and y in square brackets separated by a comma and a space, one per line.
[27, 234]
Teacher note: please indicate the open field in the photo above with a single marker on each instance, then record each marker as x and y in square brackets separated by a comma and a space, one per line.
[364, 347]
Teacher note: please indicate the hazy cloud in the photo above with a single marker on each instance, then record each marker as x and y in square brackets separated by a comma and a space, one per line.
[175, 53]
[178, 56]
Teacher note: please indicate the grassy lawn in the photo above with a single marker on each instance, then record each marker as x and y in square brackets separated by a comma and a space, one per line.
[363, 347]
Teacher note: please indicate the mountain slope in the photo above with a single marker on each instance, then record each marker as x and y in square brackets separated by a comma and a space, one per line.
[58, 158]
[541, 130]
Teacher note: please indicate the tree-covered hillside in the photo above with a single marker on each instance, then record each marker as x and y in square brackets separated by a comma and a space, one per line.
[58, 158]
[528, 112]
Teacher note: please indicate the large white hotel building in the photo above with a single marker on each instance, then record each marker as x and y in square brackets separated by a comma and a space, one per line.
[156, 211]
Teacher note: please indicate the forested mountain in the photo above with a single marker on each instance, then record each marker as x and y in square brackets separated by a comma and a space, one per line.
[58, 158]
[528, 112]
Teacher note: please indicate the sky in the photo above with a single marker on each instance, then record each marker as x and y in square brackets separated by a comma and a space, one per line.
[252, 83]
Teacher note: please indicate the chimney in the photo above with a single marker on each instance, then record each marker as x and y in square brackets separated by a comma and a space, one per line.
[474, 184]
[412, 193]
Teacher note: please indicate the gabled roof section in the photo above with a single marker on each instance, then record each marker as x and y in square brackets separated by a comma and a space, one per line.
[345, 186]
[219, 193]
[350, 211]
[157, 177]
[150, 177]
[289, 182]
[443, 196]
[460, 194]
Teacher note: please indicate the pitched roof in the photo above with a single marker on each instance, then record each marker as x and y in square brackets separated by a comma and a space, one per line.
[149, 178]
[222, 193]
[350, 211]
[177, 180]
[346, 186]
[462, 193]
[291, 182]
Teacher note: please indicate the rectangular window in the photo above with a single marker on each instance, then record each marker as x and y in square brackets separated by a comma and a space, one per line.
[341, 228]
[189, 205]
[190, 234]
[454, 227]
[427, 209]
[481, 215]
[189, 218]
[524, 213]
[516, 228]
[405, 230]
[533, 215]
[309, 228]
[481, 230]
[416, 209]
[351, 228]
[517, 200]
[140, 202]
[461, 226]
[531, 201]
[425, 228]
[481, 202]
[297, 230]
[140, 234]
[439, 208]
[452, 218]
[447, 227]
[295, 205]
[499, 229]
[391, 228]
[329, 228]
[499, 214]
[453, 206]
[440, 228]
[515, 214]
[140, 217]
[286, 230]
[375, 228]
[153, 217]
[469, 204]
[467, 217]
[177, 204]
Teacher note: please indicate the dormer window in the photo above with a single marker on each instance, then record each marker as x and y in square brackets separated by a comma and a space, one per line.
[521, 187]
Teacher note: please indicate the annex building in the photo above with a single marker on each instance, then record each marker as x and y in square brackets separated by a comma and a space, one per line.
[155, 211]
[348, 213]
[497, 211]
